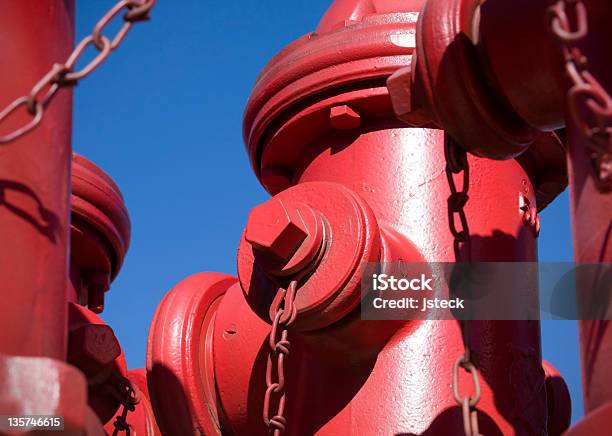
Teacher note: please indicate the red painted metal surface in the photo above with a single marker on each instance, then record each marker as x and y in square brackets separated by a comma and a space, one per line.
[592, 231]
[56, 356]
[99, 233]
[95, 351]
[34, 217]
[558, 399]
[514, 49]
[34, 184]
[44, 386]
[179, 356]
[334, 274]
[450, 81]
[598, 422]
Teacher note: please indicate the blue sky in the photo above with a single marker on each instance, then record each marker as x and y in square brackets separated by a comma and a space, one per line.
[163, 117]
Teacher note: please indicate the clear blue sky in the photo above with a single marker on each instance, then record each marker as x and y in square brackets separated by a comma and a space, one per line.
[163, 117]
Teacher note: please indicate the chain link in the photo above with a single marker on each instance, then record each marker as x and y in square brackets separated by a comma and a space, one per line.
[63, 75]
[457, 163]
[467, 403]
[128, 399]
[283, 312]
[589, 105]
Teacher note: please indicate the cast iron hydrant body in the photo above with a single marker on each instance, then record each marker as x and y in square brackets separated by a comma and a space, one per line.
[324, 139]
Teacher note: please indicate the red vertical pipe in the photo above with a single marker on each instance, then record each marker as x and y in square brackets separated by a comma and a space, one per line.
[592, 213]
[592, 244]
[522, 58]
[34, 182]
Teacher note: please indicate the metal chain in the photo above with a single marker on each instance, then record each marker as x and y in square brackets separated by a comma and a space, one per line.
[589, 105]
[128, 399]
[283, 312]
[467, 403]
[63, 74]
[457, 163]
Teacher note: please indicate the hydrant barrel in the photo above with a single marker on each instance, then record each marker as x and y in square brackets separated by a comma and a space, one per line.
[34, 183]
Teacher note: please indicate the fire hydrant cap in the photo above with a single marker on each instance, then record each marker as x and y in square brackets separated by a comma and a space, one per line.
[97, 202]
[368, 45]
[330, 289]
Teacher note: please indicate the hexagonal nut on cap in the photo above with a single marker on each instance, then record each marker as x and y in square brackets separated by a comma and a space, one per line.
[92, 348]
[275, 228]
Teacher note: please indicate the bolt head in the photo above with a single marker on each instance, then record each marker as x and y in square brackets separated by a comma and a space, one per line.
[93, 347]
[344, 118]
[401, 90]
[276, 228]
[276, 178]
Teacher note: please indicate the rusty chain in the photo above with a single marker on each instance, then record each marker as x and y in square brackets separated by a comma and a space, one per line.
[457, 163]
[128, 399]
[589, 105]
[283, 312]
[64, 75]
[467, 403]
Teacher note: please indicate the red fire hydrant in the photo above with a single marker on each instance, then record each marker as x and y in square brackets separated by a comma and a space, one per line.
[100, 235]
[283, 347]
